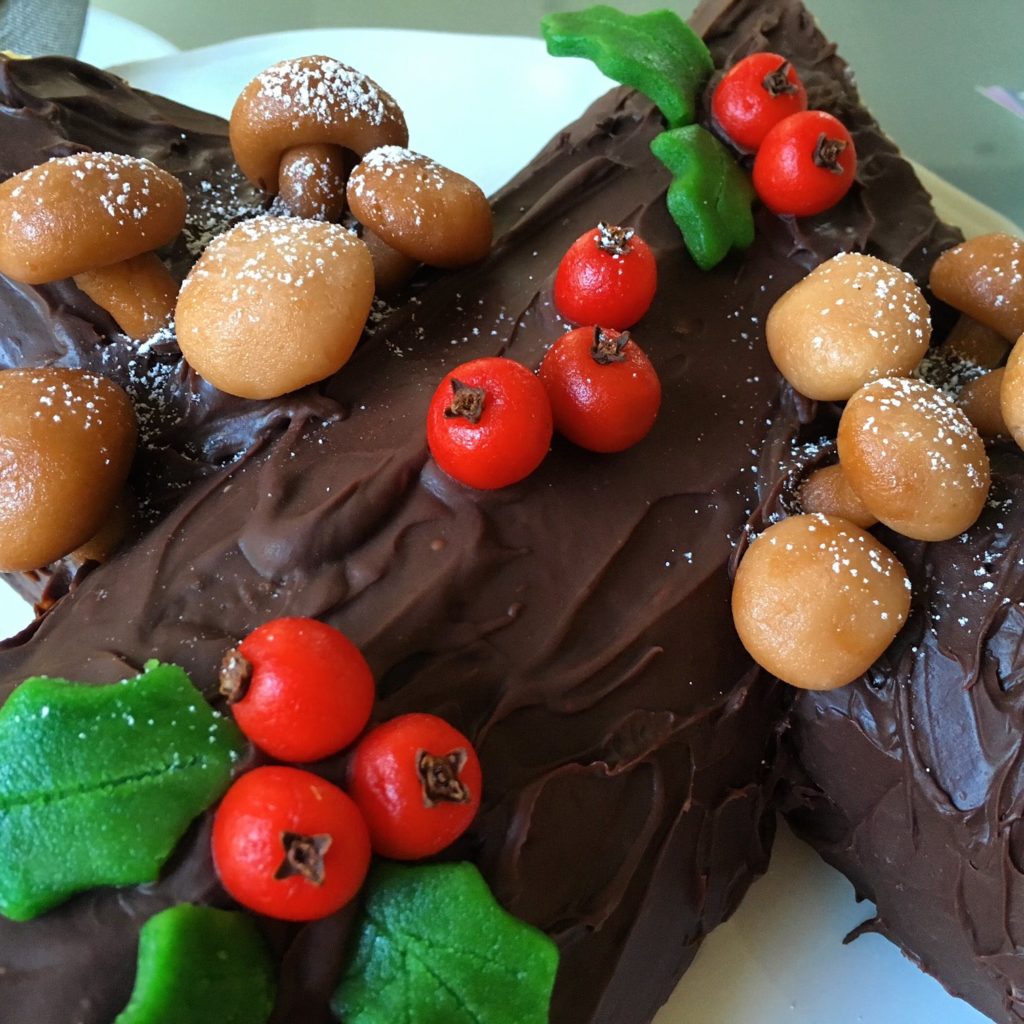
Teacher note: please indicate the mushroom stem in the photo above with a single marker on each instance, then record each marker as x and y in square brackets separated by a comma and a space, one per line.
[107, 539]
[138, 293]
[391, 268]
[311, 182]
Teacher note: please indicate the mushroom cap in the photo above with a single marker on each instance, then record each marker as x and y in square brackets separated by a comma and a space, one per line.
[308, 100]
[274, 304]
[426, 211]
[78, 213]
[984, 278]
[67, 438]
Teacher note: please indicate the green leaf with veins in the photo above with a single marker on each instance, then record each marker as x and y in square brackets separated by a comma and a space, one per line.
[98, 783]
[656, 53]
[198, 965]
[710, 197]
[434, 947]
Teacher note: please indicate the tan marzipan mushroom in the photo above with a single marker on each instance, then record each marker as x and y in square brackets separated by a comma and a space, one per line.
[67, 438]
[96, 217]
[984, 278]
[293, 121]
[274, 304]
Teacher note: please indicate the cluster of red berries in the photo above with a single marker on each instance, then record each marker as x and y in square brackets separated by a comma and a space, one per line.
[805, 159]
[288, 843]
[490, 421]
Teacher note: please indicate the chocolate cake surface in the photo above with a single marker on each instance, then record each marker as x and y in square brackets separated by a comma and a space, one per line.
[576, 626]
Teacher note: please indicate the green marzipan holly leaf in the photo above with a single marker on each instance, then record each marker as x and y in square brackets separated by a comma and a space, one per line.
[710, 197]
[98, 783]
[656, 53]
[198, 965]
[436, 948]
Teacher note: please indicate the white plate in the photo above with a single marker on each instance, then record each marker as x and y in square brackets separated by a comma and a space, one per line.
[485, 105]
[110, 39]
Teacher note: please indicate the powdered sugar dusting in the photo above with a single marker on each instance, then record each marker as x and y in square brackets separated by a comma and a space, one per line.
[124, 188]
[152, 382]
[323, 90]
[948, 370]
[1002, 274]
[216, 203]
[889, 299]
[285, 251]
[78, 402]
[909, 414]
[409, 179]
[855, 561]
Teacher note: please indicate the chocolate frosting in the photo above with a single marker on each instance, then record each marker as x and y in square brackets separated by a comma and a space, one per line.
[576, 626]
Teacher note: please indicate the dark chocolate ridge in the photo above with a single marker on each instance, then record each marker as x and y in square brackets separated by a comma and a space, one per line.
[628, 745]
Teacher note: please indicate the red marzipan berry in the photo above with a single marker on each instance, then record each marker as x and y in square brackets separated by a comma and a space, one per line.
[417, 781]
[608, 277]
[489, 423]
[805, 165]
[604, 392]
[754, 95]
[299, 689]
[289, 844]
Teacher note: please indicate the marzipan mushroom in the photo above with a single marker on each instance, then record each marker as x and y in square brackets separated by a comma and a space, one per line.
[981, 401]
[975, 343]
[984, 278]
[426, 211]
[851, 320]
[67, 439]
[305, 104]
[828, 492]
[391, 268]
[1011, 393]
[913, 458]
[817, 600]
[108, 538]
[274, 304]
[96, 217]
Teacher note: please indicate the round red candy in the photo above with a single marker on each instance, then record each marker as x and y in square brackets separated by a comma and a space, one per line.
[604, 392]
[607, 277]
[489, 423]
[805, 165]
[299, 689]
[417, 781]
[754, 95]
[289, 844]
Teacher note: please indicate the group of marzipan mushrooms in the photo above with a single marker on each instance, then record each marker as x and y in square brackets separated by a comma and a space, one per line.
[817, 598]
[274, 304]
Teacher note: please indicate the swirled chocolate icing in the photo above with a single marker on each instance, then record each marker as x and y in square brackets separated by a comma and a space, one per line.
[576, 625]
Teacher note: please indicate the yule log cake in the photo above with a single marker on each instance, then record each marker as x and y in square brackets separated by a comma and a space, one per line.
[575, 626]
